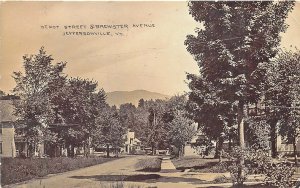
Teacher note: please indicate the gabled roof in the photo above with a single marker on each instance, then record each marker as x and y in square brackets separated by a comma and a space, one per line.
[7, 111]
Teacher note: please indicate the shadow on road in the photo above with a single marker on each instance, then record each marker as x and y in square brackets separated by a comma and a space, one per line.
[137, 177]
[147, 178]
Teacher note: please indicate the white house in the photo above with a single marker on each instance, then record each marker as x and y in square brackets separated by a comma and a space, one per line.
[132, 144]
[190, 148]
[7, 131]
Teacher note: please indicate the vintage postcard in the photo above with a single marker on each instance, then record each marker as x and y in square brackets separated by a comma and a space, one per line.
[149, 94]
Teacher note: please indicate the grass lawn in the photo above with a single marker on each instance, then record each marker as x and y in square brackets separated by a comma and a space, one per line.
[199, 164]
[152, 164]
[15, 170]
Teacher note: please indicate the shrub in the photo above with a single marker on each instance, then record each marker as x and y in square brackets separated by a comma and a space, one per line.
[279, 175]
[211, 167]
[221, 179]
[258, 162]
[149, 165]
[234, 166]
[199, 164]
[235, 170]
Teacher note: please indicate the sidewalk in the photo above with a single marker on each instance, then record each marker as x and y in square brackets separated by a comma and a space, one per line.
[167, 165]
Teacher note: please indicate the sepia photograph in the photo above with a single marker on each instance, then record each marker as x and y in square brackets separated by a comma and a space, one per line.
[150, 94]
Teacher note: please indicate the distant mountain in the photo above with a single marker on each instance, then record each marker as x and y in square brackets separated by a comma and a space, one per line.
[120, 97]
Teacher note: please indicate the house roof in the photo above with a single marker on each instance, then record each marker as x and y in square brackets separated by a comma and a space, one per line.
[7, 111]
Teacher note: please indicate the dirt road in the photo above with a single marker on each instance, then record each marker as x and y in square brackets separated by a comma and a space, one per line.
[123, 172]
[94, 176]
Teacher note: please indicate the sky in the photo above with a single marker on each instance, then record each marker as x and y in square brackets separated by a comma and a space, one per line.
[152, 57]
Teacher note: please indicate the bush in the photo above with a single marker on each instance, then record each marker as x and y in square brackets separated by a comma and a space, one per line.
[211, 167]
[199, 164]
[221, 179]
[149, 165]
[234, 166]
[279, 175]
[258, 162]
[15, 170]
[235, 171]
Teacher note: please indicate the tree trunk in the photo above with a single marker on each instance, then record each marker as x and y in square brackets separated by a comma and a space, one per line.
[274, 133]
[153, 129]
[55, 155]
[229, 142]
[217, 153]
[87, 146]
[117, 151]
[295, 150]
[89, 143]
[241, 116]
[152, 147]
[219, 148]
[68, 151]
[107, 150]
[72, 151]
[181, 151]
[31, 149]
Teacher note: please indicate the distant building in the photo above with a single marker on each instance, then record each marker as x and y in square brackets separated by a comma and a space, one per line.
[14, 145]
[132, 145]
[7, 132]
[193, 148]
[190, 149]
[282, 147]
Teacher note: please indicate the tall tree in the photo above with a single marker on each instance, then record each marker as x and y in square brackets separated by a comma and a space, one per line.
[141, 103]
[283, 95]
[237, 38]
[109, 130]
[214, 115]
[181, 131]
[155, 130]
[181, 127]
[141, 128]
[80, 106]
[34, 87]
[127, 112]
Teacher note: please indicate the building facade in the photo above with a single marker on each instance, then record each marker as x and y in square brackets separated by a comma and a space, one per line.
[132, 145]
[7, 132]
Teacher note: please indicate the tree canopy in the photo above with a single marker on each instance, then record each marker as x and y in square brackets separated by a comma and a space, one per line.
[35, 87]
[237, 40]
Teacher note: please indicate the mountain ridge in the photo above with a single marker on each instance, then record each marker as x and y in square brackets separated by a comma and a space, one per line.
[120, 97]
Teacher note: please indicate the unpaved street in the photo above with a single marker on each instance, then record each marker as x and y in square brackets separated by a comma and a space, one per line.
[86, 177]
[121, 171]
